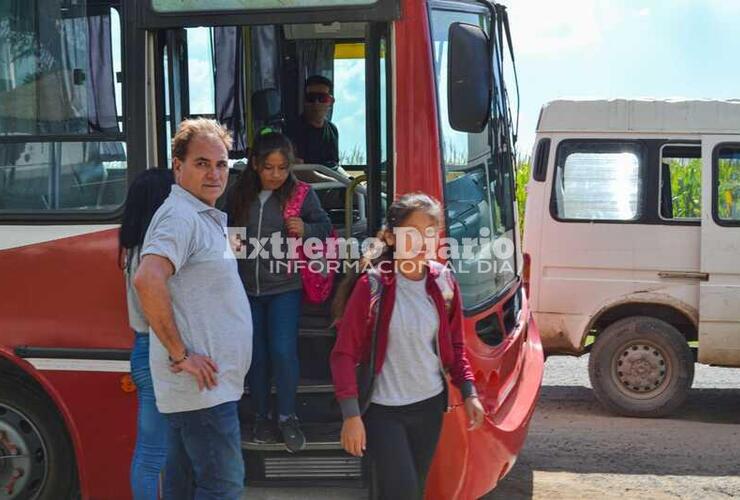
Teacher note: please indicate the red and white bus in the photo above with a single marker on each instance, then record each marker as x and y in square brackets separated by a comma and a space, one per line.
[90, 92]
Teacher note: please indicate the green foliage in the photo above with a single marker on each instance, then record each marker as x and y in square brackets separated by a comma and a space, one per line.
[686, 187]
[523, 171]
[729, 189]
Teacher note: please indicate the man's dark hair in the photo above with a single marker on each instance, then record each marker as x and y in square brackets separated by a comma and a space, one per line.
[319, 80]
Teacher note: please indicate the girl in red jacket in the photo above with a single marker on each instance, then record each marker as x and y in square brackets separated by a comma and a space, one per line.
[419, 339]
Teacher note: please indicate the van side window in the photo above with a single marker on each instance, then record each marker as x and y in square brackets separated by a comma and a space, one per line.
[727, 184]
[540, 160]
[598, 181]
[680, 182]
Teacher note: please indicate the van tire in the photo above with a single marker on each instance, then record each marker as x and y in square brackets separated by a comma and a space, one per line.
[641, 367]
[30, 422]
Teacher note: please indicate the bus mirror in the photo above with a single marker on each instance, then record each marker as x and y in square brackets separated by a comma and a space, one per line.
[469, 77]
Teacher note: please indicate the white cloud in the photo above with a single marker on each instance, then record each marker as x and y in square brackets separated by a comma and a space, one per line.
[349, 109]
[643, 12]
[546, 27]
[200, 74]
[349, 80]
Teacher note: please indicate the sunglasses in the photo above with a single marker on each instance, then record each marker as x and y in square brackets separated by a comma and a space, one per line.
[319, 97]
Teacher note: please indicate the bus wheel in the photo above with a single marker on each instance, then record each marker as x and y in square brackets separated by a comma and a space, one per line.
[36, 459]
[641, 367]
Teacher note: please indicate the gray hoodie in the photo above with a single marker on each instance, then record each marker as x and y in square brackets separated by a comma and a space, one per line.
[262, 276]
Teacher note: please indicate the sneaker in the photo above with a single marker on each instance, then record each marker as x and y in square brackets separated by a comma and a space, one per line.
[263, 431]
[292, 435]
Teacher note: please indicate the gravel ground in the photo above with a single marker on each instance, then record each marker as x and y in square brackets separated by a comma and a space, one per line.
[575, 450]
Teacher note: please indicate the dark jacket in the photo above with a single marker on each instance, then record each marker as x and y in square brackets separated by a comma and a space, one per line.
[354, 334]
[266, 276]
[315, 145]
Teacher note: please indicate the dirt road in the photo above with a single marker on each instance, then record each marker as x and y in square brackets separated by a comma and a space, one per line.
[575, 450]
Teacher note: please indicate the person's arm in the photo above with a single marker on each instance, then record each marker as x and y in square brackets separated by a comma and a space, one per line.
[351, 339]
[314, 222]
[334, 146]
[151, 286]
[166, 248]
[461, 372]
[352, 333]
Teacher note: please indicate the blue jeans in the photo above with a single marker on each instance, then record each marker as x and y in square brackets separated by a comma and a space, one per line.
[275, 350]
[204, 458]
[151, 427]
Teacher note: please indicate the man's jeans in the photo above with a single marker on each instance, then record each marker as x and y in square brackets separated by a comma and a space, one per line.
[205, 449]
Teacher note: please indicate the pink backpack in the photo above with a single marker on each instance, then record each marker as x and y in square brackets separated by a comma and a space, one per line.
[317, 283]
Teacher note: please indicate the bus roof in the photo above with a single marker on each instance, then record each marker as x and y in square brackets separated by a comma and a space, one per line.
[641, 115]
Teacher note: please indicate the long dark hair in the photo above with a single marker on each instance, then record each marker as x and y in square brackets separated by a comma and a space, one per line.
[147, 192]
[248, 185]
[396, 216]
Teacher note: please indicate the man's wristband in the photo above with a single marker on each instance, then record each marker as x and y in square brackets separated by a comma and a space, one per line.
[175, 362]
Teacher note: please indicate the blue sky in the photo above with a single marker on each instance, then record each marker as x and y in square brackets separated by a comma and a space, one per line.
[604, 49]
[627, 48]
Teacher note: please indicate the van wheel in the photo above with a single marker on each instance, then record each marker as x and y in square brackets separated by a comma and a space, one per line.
[38, 462]
[641, 367]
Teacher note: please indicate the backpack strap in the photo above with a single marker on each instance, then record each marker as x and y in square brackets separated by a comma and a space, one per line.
[445, 281]
[376, 299]
[295, 202]
[376, 293]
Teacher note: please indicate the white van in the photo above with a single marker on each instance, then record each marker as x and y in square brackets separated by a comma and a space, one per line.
[632, 238]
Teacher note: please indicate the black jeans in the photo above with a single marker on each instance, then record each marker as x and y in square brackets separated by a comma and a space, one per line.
[401, 441]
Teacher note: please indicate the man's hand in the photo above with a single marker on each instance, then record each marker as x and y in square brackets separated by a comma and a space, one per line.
[202, 368]
[353, 436]
[295, 226]
[475, 412]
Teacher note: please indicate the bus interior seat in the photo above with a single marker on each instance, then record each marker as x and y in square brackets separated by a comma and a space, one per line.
[266, 109]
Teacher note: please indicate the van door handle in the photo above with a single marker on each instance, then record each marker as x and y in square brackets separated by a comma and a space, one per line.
[684, 275]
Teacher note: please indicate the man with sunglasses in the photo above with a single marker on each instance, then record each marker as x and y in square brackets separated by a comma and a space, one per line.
[315, 138]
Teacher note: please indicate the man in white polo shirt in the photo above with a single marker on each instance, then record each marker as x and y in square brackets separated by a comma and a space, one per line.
[194, 300]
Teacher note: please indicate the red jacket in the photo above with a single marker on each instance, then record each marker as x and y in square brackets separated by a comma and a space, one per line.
[355, 333]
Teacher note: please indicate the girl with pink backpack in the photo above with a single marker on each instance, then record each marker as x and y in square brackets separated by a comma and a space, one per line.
[273, 205]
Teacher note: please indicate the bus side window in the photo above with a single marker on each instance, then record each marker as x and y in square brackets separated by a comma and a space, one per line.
[60, 106]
